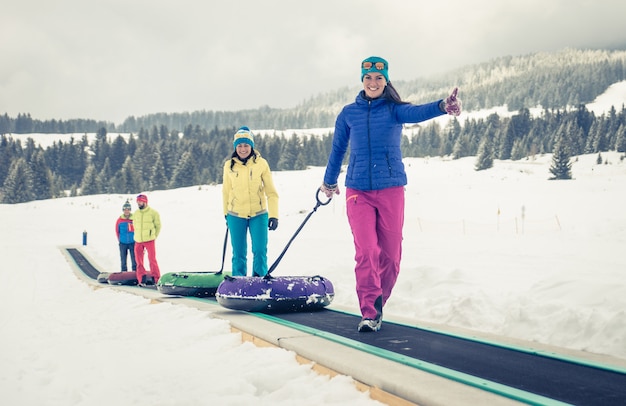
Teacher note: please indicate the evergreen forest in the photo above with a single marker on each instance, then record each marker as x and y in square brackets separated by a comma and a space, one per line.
[183, 149]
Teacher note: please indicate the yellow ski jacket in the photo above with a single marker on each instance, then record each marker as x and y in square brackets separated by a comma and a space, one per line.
[147, 223]
[248, 189]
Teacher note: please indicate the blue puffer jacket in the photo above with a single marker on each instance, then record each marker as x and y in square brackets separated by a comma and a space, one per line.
[373, 128]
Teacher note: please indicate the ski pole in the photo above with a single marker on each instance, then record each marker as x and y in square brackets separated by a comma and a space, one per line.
[318, 204]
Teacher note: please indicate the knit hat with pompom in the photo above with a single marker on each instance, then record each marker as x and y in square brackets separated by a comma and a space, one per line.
[243, 135]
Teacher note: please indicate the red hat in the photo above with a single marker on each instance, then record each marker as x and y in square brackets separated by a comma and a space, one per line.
[142, 198]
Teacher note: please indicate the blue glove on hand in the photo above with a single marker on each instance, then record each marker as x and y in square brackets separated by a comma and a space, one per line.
[272, 224]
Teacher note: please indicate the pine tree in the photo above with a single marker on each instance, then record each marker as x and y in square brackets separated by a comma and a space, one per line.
[601, 142]
[10, 150]
[272, 150]
[30, 150]
[518, 151]
[118, 153]
[100, 149]
[143, 159]
[168, 155]
[18, 185]
[185, 172]
[620, 139]
[127, 179]
[461, 148]
[485, 155]
[42, 177]
[89, 184]
[428, 140]
[300, 163]
[318, 155]
[158, 181]
[288, 154]
[561, 166]
[105, 178]
[486, 148]
[507, 139]
[56, 188]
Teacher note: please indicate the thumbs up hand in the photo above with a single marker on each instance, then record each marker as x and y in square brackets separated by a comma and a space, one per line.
[452, 104]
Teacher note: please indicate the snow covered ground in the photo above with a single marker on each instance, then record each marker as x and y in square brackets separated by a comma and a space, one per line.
[503, 251]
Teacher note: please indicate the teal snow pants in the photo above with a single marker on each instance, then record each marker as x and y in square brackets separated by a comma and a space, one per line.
[239, 227]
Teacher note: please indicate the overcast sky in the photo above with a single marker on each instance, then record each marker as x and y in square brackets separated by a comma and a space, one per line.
[110, 59]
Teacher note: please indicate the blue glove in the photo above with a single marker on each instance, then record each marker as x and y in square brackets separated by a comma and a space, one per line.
[272, 224]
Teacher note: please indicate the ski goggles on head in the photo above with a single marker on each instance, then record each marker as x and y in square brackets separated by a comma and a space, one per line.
[377, 65]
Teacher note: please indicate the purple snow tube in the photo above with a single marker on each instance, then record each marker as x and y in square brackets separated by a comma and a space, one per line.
[279, 294]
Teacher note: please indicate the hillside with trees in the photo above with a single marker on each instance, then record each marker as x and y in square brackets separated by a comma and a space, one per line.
[176, 150]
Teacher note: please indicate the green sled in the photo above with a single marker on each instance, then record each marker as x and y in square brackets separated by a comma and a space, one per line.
[198, 284]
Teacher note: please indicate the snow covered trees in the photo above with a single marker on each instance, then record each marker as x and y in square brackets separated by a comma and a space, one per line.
[18, 186]
[561, 167]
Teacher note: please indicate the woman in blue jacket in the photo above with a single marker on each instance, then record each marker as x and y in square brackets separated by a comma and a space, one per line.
[375, 180]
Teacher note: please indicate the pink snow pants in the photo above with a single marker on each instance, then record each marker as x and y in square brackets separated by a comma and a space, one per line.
[139, 257]
[376, 218]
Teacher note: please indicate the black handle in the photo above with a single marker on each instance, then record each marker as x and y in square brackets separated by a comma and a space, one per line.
[224, 251]
[318, 204]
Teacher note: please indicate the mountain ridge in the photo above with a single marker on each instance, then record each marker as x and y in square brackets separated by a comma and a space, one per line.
[552, 80]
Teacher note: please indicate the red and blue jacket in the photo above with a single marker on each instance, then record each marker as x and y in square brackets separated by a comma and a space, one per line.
[125, 230]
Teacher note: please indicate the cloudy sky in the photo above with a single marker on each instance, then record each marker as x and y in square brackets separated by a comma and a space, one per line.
[111, 59]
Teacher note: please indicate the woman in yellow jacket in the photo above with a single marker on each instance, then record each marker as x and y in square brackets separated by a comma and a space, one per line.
[250, 203]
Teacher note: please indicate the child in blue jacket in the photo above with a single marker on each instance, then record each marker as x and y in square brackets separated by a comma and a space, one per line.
[126, 237]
